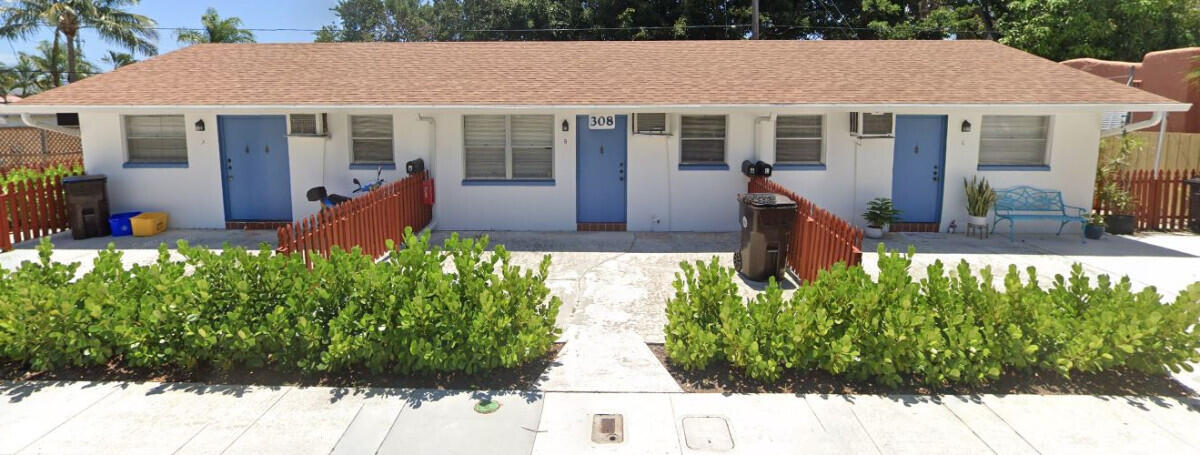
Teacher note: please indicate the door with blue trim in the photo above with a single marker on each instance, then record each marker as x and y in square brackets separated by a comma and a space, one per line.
[254, 167]
[600, 170]
[917, 167]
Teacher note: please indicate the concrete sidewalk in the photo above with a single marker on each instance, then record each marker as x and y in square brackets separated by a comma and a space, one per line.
[131, 418]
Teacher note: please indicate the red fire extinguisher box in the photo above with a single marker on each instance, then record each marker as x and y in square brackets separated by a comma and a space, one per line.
[427, 192]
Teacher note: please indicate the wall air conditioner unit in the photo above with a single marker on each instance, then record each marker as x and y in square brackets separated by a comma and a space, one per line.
[651, 123]
[307, 125]
[871, 124]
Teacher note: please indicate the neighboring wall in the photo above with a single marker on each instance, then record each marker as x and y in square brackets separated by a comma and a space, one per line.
[1163, 73]
[28, 146]
[661, 196]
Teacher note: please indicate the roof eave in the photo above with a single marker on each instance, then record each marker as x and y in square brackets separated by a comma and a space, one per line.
[19, 108]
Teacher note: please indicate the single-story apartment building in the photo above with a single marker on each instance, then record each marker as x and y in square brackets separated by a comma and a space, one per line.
[643, 135]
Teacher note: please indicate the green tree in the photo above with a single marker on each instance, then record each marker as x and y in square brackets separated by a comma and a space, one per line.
[107, 18]
[47, 63]
[118, 59]
[1108, 29]
[24, 77]
[215, 30]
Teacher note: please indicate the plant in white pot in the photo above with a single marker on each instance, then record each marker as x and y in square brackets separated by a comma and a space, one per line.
[980, 199]
[880, 213]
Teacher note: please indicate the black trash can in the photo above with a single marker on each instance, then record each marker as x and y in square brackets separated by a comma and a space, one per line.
[87, 205]
[1194, 205]
[766, 221]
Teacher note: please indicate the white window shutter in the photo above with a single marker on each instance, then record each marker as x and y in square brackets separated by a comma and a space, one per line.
[798, 139]
[1014, 139]
[702, 139]
[485, 142]
[532, 146]
[156, 138]
[371, 136]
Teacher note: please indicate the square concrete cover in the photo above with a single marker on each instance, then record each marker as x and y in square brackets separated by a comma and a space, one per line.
[707, 433]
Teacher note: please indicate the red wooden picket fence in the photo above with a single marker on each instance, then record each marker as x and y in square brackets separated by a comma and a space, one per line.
[1162, 199]
[32, 209]
[367, 221]
[818, 239]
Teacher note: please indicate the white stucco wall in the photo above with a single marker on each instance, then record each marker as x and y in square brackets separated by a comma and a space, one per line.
[661, 196]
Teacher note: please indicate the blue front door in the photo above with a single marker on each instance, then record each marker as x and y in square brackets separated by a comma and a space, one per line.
[917, 167]
[600, 172]
[254, 167]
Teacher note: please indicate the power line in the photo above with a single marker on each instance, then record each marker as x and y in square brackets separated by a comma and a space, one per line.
[844, 26]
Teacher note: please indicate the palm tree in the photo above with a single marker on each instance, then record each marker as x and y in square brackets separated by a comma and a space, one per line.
[47, 64]
[25, 76]
[67, 17]
[216, 30]
[118, 59]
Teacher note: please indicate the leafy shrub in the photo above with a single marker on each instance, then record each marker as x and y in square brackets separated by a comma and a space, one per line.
[953, 327]
[235, 308]
[25, 174]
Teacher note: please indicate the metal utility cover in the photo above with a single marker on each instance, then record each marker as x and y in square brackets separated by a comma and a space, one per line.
[707, 433]
[608, 428]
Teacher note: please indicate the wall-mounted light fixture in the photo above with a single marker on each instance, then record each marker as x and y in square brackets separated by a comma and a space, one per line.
[966, 126]
[199, 125]
[566, 126]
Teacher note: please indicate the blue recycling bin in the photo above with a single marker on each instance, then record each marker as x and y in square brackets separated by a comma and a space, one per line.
[119, 223]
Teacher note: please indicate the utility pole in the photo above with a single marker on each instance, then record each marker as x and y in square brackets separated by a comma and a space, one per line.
[754, 26]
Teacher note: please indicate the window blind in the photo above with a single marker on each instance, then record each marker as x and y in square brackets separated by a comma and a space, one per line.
[1014, 139]
[702, 139]
[798, 138]
[371, 139]
[156, 138]
[532, 146]
[508, 147]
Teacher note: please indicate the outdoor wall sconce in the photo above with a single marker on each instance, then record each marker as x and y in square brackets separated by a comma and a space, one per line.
[566, 126]
[199, 125]
[966, 126]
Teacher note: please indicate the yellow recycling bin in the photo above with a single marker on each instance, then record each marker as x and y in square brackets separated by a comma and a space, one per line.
[149, 223]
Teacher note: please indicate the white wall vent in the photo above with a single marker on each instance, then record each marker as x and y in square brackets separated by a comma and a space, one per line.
[871, 124]
[650, 123]
[307, 125]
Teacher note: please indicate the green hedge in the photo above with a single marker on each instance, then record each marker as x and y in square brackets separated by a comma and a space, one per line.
[953, 327]
[421, 309]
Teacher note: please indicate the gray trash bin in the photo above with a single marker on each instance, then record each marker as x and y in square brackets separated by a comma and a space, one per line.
[766, 220]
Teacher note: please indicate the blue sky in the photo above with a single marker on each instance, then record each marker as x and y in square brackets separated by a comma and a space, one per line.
[299, 14]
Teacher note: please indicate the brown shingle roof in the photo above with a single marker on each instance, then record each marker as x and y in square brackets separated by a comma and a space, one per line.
[596, 73]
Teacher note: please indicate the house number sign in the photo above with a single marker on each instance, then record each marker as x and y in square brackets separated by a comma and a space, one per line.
[602, 122]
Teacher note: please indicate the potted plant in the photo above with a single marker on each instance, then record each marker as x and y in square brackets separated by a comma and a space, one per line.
[880, 213]
[1113, 194]
[980, 199]
[1094, 229]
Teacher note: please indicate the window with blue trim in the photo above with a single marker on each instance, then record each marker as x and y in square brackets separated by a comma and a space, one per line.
[1014, 140]
[371, 140]
[518, 148]
[702, 139]
[799, 139]
[156, 139]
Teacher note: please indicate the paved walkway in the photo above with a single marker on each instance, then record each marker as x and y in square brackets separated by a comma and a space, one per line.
[614, 287]
[128, 418]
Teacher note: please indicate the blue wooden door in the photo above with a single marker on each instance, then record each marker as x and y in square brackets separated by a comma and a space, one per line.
[600, 172]
[254, 168]
[917, 167]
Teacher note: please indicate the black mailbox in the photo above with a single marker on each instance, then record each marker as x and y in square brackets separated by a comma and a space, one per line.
[414, 166]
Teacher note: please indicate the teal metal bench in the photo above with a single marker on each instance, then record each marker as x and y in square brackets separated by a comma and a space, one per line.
[1029, 203]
